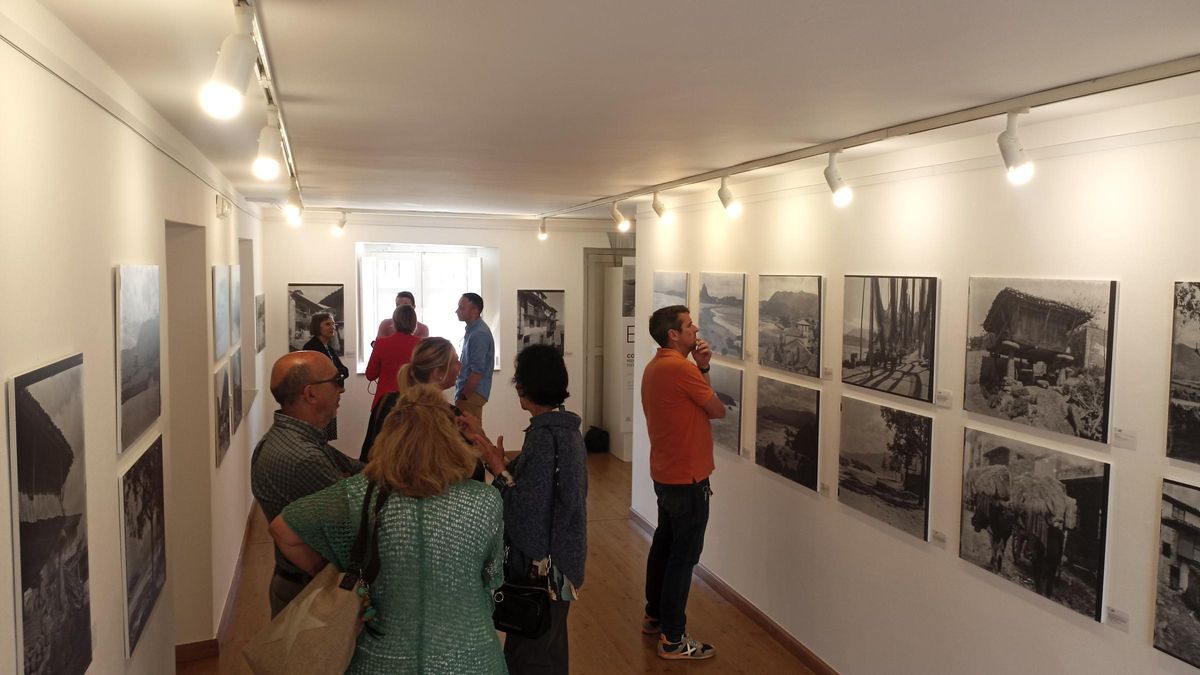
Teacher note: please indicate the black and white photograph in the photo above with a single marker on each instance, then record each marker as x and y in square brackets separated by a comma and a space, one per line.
[540, 318]
[1036, 517]
[46, 427]
[235, 380]
[722, 308]
[888, 330]
[220, 304]
[138, 351]
[789, 323]
[221, 404]
[883, 467]
[144, 533]
[787, 436]
[235, 304]
[260, 320]
[305, 300]
[1177, 607]
[727, 385]
[628, 290]
[1183, 414]
[1039, 352]
[670, 288]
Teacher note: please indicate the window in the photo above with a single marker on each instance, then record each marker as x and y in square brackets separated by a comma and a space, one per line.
[437, 276]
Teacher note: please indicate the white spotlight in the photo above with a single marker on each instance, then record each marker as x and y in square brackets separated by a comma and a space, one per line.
[292, 209]
[733, 207]
[270, 148]
[619, 219]
[542, 234]
[222, 96]
[339, 227]
[842, 194]
[1020, 169]
[665, 215]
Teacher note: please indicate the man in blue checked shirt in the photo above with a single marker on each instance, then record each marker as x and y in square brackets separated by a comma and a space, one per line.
[474, 384]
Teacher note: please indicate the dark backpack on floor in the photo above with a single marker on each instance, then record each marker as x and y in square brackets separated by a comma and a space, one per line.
[596, 440]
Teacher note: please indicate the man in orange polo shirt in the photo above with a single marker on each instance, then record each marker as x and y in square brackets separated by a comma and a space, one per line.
[679, 402]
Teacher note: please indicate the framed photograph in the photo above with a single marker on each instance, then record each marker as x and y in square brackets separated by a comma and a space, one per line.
[1039, 352]
[306, 300]
[888, 331]
[727, 384]
[540, 319]
[1177, 607]
[139, 395]
[788, 430]
[789, 323]
[235, 379]
[670, 288]
[49, 510]
[722, 307]
[143, 528]
[260, 320]
[235, 304]
[1183, 414]
[1036, 517]
[883, 467]
[221, 411]
[220, 292]
[628, 288]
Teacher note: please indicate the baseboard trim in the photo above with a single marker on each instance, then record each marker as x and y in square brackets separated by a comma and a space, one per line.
[789, 642]
[197, 651]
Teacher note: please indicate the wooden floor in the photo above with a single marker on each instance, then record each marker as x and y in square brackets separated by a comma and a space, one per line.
[605, 623]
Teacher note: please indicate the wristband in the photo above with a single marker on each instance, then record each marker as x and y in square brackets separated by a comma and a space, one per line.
[705, 369]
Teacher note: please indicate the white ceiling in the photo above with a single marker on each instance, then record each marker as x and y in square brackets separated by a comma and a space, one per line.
[529, 106]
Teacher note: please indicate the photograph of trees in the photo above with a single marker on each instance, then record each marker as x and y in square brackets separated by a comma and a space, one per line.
[144, 524]
[787, 435]
[1183, 414]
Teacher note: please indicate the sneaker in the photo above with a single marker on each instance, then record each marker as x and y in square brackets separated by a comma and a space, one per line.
[651, 626]
[688, 649]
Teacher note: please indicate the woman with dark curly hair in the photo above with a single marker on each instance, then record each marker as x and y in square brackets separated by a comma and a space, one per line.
[322, 329]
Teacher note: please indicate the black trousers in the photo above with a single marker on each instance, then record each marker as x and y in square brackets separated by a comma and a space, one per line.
[546, 655]
[674, 551]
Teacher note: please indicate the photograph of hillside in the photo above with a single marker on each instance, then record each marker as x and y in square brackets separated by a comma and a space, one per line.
[787, 436]
[789, 323]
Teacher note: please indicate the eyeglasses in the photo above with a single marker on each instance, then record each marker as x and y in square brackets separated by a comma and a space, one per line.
[339, 380]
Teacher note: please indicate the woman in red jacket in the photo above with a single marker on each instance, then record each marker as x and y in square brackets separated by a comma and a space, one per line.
[392, 352]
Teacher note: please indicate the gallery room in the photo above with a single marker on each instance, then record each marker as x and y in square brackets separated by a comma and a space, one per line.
[946, 258]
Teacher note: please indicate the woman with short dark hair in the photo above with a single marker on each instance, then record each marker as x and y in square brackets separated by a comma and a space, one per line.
[322, 328]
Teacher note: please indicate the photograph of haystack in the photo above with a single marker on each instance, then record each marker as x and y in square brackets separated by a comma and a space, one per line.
[722, 301]
[305, 300]
[670, 288]
[787, 435]
[145, 549]
[1036, 517]
[1177, 609]
[887, 334]
[138, 351]
[220, 304]
[1183, 414]
[51, 552]
[727, 384]
[221, 405]
[1039, 353]
[789, 323]
[883, 466]
[540, 319]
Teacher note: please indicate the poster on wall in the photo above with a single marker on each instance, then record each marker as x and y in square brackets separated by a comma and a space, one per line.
[788, 430]
[670, 288]
[789, 323]
[1183, 414]
[235, 378]
[727, 385]
[1036, 517]
[50, 525]
[221, 411]
[145, 541]
[220, 304]
[1039, 352]
[883, 467]
[628, 289]
[540, 319]
[722, 302]
[308, 300]
[235, 304]
[1177, 606]
[138, 351]
[260, 321]
[888, 329]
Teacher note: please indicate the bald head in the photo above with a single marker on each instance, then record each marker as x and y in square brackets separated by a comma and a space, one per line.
[294, 371]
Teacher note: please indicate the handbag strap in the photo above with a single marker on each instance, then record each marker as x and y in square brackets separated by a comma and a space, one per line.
[364, 556]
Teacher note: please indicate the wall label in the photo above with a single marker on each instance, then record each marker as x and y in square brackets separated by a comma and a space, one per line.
[1124, 437]
[1117, 619]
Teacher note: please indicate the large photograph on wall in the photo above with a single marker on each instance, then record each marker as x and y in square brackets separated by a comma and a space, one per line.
[1036, 517]
[789, 323]
[138, 350]
[221, 405]
[628, 289]
[1183, 415]
[670, 288]
[308, 300]
[722, 303]
[1039, 352]
[727, 384]
[540, 319]
[260, 322]
[787, 435]
[888, 330]
[1177, 608]
[50, 524]
[235, 383]
[144, 533]
[235, 304]
[220, 304]
[883, 466]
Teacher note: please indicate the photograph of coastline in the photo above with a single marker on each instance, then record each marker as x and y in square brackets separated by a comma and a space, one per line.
[670, 288]
[787, 430]
[883, 466]
[789, 323]
[727, 385]
[722, 305]
[220, 304]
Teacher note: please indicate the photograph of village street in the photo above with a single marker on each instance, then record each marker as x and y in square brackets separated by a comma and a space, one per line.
[789, 323]
[1177, 608]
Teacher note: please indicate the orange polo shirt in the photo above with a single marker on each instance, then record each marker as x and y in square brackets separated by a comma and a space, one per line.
[673, 397]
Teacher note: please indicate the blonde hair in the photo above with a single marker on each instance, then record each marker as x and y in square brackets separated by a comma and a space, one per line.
[420, 452]
[429, 355]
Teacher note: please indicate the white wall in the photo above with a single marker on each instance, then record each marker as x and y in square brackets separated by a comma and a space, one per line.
[1114, 198]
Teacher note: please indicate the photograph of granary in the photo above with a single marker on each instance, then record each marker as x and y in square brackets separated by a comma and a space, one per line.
[789, 323]
[1177, 609]
[888, 329]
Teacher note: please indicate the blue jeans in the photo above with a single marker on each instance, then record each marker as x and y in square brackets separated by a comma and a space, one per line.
[674, 551]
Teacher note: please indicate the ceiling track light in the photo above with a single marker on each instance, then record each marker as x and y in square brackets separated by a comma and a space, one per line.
[542, 234]
[733, 207]
[1020, 169]
[268, 162]
[222, 96]
[842, 194]
[293, 210]
[619, 219]
[665, 215]
[339, 226]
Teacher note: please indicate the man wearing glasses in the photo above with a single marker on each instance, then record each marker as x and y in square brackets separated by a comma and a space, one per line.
[294, 458]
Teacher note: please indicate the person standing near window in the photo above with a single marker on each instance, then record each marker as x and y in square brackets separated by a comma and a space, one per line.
[387, 327]
[322, 329]
[474, 385]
